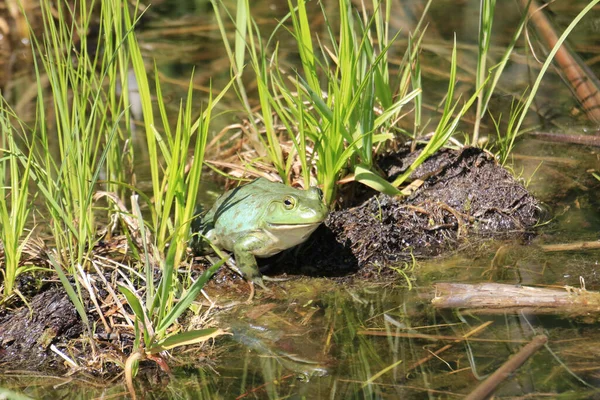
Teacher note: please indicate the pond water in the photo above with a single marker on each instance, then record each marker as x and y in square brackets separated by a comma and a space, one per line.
[317, 338]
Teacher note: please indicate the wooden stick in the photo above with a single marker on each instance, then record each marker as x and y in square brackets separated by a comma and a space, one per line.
[557, 160]
[488, 386]
[490, 297]
[592, 245]
[586, 140]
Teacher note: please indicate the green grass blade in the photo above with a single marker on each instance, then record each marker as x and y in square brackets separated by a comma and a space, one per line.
[139, 69]
[364, 175]
[305, 47]
[187, 299]
[138, 310]
[185, 338]
[75, 299]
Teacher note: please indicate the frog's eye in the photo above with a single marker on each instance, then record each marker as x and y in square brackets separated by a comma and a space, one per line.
[289, 202]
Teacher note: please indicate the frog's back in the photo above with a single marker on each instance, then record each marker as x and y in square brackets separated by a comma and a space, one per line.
[241, 209]
[236, 211]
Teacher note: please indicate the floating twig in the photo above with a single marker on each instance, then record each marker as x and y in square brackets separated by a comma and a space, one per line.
[490, 297]
[576, 246]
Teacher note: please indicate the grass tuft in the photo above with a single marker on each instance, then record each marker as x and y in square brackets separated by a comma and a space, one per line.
[15, 201]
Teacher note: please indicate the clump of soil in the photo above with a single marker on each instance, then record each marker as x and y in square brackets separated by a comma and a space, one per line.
[464, 194]
[26, 336]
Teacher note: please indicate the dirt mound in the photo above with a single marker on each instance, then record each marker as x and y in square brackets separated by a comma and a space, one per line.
[465, 193]
[26, 335]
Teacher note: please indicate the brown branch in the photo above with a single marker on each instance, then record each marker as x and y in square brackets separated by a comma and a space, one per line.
[494, 297]
[586, 140]
[488, 386]
[572, 246]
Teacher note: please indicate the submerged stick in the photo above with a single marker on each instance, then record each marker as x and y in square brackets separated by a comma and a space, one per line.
[591, 245]
[586, 140]
[490, 297]
[488, 386]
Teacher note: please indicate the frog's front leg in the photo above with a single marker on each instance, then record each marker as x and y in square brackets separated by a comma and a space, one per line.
[245, 260]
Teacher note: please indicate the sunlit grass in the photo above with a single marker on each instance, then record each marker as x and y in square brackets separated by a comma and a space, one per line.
[70, 157]
[489, 86]
[520, 112]
[360, 102]
[486, 19]
[118, 81]
[84, 156]
[343, 106]
[15, 201]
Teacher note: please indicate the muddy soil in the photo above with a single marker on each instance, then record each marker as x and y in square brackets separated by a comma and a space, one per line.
[465, 194]
[27, 334]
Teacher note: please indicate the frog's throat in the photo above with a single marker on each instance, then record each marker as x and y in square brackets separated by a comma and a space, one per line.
[284, 236]
[291, 234]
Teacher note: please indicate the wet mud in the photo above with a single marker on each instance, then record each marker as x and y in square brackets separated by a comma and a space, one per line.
[27, 334]
[465, 194]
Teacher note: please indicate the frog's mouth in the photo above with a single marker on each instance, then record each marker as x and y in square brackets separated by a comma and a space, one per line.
[299, 232]
[292, 226]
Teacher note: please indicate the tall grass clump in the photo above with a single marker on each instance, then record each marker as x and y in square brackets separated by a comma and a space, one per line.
[346, 124]
[73, 119]
[82, 152]
[76, 131]
[15, 201]
[345, 102]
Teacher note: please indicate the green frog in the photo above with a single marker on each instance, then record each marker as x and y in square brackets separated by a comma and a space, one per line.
[259, 219]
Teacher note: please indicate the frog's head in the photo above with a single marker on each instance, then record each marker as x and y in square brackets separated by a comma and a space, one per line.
[295, 212]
